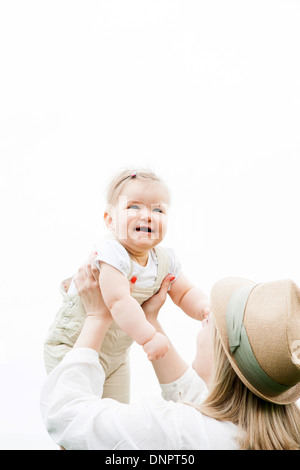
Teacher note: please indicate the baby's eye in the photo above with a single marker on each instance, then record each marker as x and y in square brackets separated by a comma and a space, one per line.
[157, 209]
[134, 206]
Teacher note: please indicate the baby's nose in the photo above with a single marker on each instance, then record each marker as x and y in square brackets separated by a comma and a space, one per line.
[145, 214]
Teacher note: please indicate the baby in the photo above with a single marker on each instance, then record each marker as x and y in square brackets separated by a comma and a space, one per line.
[136, 216]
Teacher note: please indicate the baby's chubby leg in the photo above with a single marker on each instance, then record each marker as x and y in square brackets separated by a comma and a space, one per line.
[157, 347]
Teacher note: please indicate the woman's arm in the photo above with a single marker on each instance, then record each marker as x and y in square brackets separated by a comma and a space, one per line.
[75, 415]
[98, 317]
[171, 366]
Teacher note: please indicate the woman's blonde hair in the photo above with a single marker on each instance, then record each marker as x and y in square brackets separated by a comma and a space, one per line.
[120, 179]
[262, 425]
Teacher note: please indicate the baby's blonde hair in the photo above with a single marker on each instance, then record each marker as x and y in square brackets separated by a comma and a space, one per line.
[119, 180]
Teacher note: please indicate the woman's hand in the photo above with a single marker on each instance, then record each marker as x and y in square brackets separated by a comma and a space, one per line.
[98, 318]
[87, 284]
[152, 306]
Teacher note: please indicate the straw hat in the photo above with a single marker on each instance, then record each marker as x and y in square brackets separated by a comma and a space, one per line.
[259, 326]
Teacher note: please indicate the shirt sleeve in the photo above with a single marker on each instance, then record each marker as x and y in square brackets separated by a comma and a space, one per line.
[189, 387]
[175, 265]
[113, 253]
[77, 418]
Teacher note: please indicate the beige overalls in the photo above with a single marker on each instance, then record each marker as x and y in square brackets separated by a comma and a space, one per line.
[115, 347]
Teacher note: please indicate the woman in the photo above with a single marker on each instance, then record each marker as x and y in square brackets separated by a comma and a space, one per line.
[240, 395]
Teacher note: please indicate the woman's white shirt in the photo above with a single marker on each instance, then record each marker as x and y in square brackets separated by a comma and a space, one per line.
[76, 416]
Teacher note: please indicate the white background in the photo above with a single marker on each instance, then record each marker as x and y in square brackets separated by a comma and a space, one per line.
[206, 93]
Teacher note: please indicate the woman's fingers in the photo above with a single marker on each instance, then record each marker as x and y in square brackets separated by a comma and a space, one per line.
[165, 286]
[93, 270]
[89, 269]
[152, 306]
[86, 276]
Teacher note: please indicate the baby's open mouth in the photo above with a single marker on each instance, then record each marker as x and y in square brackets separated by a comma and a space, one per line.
[143, 229]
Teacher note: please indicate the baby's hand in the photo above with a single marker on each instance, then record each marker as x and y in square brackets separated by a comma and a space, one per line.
[157, 347]
[205, 312]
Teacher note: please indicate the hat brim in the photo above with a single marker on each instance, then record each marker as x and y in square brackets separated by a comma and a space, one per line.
[220, 296]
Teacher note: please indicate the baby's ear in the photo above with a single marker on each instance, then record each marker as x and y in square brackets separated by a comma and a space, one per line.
[108, 220]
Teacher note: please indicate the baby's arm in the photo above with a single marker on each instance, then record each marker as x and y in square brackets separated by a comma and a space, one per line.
[189, 298]
[128, 314]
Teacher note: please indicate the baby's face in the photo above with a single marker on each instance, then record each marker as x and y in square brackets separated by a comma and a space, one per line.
[139, 218]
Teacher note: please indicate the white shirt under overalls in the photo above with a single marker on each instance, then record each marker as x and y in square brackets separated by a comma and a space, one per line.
[113, 253]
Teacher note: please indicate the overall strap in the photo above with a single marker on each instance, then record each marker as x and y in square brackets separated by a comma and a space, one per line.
[163, 261]
[163, 268]
[129, 276]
